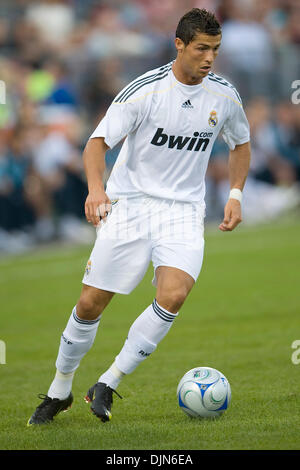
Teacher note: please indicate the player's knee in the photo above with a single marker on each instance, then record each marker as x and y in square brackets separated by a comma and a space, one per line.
[92, 302]
[88, 307]
[172, 299]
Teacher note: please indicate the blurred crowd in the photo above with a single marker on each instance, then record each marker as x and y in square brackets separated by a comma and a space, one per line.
[63, 61]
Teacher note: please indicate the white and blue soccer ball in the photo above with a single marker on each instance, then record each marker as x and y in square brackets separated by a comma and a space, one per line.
[204, 392]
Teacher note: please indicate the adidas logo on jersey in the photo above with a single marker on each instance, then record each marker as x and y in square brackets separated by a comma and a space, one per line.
[187, 104]
[199, 141]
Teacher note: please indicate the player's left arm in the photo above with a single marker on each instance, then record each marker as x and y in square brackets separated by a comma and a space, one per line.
[239, 162]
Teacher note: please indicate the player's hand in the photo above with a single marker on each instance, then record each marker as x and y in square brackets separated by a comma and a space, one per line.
[232, 215]
[97, 206]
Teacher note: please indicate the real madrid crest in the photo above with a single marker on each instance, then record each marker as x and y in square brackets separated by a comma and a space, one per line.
[88, 267]
[213, 120]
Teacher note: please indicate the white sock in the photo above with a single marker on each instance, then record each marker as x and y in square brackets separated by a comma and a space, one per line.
[112, 377]
[76, 340]
[143, 337]
[61, 386]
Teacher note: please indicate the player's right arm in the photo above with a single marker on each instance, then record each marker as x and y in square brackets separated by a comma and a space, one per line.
[97, 202]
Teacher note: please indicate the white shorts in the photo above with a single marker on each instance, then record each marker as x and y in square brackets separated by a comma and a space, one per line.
[141, 229]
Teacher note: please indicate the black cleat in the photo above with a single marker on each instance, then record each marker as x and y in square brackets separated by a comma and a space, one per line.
[100, 395]
[49, 408]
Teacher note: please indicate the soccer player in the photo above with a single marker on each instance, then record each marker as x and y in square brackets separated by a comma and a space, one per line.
[153, 206]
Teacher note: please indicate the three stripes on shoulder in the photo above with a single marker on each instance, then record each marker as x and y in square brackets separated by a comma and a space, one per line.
[134, 86]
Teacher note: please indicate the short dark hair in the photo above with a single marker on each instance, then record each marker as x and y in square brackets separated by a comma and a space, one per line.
[197, 21]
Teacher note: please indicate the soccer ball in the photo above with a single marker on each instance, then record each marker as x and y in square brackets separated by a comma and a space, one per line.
[204, 392]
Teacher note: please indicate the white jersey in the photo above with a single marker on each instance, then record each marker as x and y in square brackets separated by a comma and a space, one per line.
[170, 129]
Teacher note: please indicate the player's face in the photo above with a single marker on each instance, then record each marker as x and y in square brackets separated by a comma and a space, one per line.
[196, 59]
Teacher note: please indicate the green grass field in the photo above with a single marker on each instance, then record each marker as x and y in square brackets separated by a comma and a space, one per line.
[241, 318]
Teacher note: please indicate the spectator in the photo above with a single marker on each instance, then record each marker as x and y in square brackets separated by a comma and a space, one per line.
[16, 211]
[247, 52]
[53, 18]
[58, 166]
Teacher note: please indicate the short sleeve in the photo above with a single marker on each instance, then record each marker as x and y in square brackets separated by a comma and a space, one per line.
[236, 128]
[120, 120]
